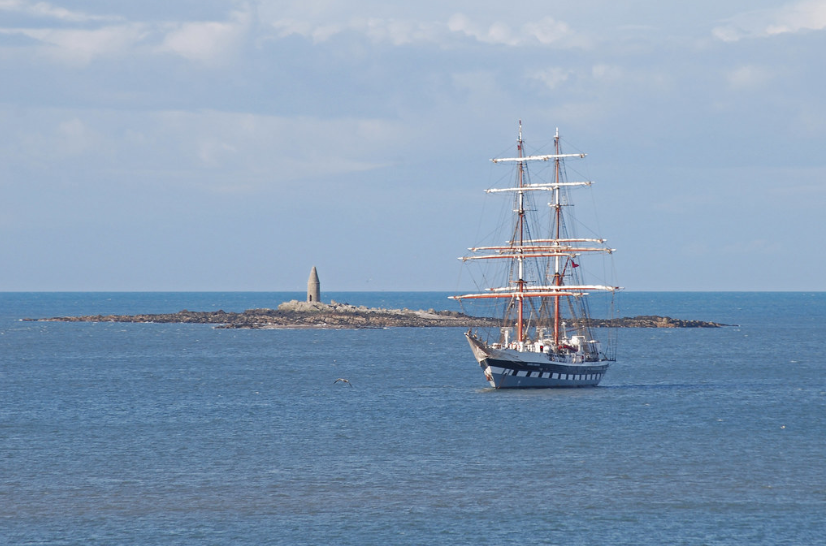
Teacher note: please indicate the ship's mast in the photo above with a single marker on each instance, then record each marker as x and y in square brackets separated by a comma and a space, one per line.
[520, 282]
[522, 247]
[557, 236]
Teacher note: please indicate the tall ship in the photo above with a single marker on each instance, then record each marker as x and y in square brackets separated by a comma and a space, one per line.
[542, 292]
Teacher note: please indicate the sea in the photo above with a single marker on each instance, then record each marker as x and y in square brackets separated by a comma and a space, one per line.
[186, 434]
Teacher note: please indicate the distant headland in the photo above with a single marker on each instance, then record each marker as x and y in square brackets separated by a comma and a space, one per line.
[315, 314]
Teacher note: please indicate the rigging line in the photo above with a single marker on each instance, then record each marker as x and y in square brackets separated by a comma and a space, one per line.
[585, 165]
[496, 227]
[585, 227]
[574, 327]
[505, 151]
[599, 228]
[568, 144]
[532, 312]
[545, 146]
[489, 236]
[503, 180]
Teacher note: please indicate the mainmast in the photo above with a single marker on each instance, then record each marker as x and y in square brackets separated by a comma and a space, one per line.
[520, 282]
[557, 217]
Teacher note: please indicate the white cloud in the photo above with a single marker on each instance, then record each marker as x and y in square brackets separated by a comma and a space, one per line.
[809, 15]
[551, 77]
[51, 138]
[209, 41]
[748, 76]
[728, 33]
[790, 18]
[400, 32]
[74, 138]
[213, 152]
[546, 31]
[82, 46]
[317, 33]
[45, 9]
[606, 72]
[395, 31]
[543, 32]
[262, 150]
[253, 149]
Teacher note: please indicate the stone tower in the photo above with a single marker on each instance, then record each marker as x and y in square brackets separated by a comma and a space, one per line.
[313, 287]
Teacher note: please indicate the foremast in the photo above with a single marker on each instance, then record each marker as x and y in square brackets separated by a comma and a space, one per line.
[561, 249]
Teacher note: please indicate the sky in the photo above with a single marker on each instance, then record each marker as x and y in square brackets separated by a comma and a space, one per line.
[223, 145]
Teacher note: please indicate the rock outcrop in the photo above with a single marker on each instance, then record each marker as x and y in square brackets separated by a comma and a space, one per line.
[652, 321]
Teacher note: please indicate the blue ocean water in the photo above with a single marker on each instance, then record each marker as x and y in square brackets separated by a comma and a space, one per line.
[185, 434]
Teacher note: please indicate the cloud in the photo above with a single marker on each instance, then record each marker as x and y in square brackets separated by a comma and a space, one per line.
[400, 32]
[543, 32]
[395, 31]
[207, 42]
[317, 33]
[748, 76]
[607, 73]
[45, 9]
[42, 140]
[546, 31]
[551, 78]
[73, 138]
[223, 151]
[246, 153]
[803, 16]
[791, 18]
[77, 46]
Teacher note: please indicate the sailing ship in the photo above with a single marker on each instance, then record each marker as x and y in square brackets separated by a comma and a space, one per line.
[545, 339]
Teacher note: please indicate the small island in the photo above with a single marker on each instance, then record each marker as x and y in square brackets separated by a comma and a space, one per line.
[300, 314]
[313, 313]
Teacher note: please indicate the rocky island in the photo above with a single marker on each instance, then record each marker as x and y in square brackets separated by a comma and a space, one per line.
[299, 314]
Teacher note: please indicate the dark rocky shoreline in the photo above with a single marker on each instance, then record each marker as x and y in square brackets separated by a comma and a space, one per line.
[653, 321]
[296, 314]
